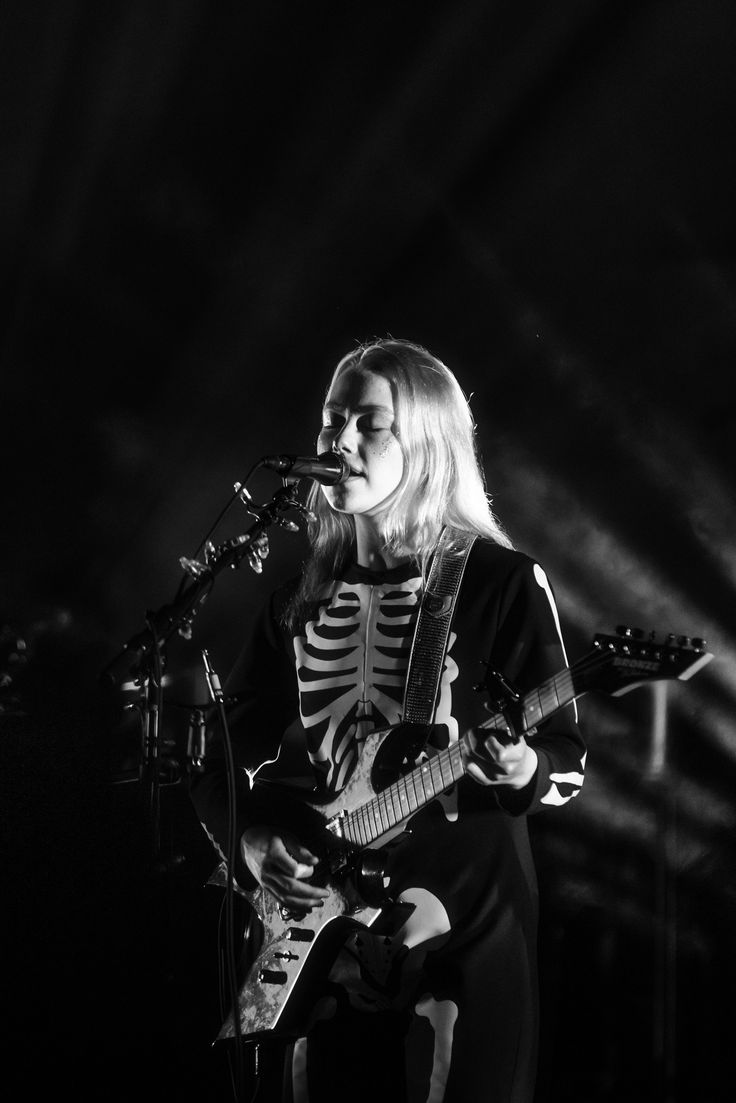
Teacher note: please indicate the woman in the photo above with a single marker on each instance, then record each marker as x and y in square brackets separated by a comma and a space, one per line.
[444, 1006]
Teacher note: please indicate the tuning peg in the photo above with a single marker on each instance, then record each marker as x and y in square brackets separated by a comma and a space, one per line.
[629, 633]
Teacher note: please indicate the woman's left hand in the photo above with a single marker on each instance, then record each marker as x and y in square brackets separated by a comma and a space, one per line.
[495, 759]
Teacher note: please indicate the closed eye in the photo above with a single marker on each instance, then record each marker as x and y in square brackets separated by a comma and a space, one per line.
[364, 424]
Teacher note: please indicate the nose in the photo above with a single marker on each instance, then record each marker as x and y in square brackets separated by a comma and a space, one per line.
[345, 438]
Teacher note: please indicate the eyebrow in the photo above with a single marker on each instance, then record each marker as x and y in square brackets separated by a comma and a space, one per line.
[359, 409]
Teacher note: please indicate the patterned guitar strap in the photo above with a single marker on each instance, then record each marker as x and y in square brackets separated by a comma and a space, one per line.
[432, 628]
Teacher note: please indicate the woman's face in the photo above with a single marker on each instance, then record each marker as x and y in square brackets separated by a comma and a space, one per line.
[357, 420]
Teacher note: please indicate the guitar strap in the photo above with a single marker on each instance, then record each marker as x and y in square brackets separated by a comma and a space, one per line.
[432, 628]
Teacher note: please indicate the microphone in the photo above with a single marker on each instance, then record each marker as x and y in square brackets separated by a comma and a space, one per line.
[328, 468]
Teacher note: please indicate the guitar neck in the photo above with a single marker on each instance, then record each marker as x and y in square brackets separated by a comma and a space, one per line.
[440, 771]
[614, 665]
[404, 797]
[542, 702]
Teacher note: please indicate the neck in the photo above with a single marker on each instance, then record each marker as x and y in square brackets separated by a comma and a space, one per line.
[369, 549]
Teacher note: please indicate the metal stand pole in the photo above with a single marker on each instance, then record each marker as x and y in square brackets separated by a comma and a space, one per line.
[664, 1031]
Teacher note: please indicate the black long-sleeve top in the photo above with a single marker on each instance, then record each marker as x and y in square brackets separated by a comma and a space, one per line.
[325, 687]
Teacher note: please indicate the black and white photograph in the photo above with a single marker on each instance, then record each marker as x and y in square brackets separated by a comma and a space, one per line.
[368, 580]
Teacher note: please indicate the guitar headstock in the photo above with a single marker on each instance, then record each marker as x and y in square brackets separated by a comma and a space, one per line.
[630, 658]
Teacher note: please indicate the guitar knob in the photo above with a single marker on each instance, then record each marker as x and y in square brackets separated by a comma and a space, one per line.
[300, 934]
[698, 643]
[272, 976]
[624, 630]
[684, 641]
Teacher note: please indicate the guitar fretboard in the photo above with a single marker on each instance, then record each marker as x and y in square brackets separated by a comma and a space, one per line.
[441, 770]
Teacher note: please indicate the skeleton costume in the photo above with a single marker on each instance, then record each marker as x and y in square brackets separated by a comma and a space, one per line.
[445, 1009]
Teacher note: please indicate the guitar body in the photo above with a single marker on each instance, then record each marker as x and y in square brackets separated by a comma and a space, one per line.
[296, 952]
[298, 948]
[384, 790]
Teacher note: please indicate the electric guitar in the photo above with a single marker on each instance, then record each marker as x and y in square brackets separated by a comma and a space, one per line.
[385, 789]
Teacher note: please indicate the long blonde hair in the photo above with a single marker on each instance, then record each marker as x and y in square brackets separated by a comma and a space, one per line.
[442, 482]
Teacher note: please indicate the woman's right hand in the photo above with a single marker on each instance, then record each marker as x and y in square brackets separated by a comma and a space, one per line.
[282, 865]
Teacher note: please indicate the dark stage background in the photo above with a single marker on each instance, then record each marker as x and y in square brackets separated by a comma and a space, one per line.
[204, 205]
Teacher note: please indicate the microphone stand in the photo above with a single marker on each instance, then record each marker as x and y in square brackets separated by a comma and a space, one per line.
[143, 658]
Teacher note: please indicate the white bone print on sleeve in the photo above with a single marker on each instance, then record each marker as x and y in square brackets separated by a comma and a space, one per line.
[571, 782]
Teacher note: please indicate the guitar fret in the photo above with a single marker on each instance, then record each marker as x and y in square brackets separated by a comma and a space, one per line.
[366, 822]
[383, 816]
[357, 828]
[388, 809]
[455, 761]
[395, 812]
[436, 773]
[352, 829]
[413, 777]
[380, 826]
[403, 792]
[532, 709]
[377, 816]
[424, 770]
[387, 823]
[567, 691]
[370, 820]
[548, 697]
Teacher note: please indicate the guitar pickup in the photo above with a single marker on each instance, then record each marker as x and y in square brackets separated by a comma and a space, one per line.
[272, 976]
[296, 934]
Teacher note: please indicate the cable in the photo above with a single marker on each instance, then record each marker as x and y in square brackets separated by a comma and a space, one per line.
[232, 850]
